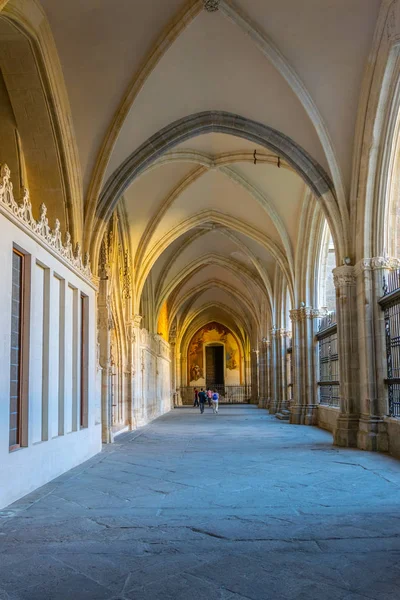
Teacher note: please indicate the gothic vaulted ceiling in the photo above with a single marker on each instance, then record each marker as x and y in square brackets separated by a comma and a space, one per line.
[215, 221]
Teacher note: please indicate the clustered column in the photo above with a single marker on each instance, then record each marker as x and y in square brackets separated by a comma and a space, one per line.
[304, 406]
[346, 308]
[263, 375]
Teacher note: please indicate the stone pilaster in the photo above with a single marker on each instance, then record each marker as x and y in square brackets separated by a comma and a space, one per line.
[347, 328]
[304, 406]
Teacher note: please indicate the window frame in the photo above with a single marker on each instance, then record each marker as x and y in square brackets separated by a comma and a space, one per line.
[23, 352]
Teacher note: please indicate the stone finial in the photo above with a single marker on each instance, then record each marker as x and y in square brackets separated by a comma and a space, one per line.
[39, 228]
[211, 5]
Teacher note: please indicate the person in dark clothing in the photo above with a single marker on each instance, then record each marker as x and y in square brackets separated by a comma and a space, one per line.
[209, 397]
[202, 399]
[196, 397]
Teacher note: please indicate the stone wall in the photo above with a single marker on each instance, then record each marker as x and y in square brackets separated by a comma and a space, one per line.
[327, 417]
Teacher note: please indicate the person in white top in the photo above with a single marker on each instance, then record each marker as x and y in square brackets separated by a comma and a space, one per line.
[215, 398]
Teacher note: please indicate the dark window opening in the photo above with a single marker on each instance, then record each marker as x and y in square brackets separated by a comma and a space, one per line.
[17, 311]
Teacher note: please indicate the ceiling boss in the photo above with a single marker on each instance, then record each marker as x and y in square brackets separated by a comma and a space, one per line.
[211, 5]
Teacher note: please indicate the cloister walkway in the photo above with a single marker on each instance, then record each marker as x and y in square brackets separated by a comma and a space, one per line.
[228, 507]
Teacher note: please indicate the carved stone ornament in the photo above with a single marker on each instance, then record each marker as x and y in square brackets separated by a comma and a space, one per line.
[377, 263]
[303, 313]
[41, 229]
[125, 274]
[130, 333]
[137, 319]
[344, 276]
[211, 5]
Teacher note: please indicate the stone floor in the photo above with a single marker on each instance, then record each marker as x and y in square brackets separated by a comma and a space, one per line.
[228, 507]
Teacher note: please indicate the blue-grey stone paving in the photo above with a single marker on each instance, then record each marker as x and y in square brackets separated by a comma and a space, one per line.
[216, 507]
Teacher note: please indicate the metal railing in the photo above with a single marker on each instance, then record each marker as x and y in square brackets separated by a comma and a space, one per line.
[390, 303]
[228, 394]
[391, 283]
[328, 321]
[328, 383]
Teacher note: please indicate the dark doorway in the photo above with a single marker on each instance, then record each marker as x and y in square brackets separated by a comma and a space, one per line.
[214, 366]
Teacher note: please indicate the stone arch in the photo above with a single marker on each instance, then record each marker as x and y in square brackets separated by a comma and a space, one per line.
[222, 122]
[203, 287]
[376, 136]
[266, 46]
[52, 161]
[198, 264]
[216, 219]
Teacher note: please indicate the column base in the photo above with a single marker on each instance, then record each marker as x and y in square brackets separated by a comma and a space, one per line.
[372, 435]
[263, 403]
[273, 407]
[107, 436]
[303, 414]
[283, 415]
[346, 431]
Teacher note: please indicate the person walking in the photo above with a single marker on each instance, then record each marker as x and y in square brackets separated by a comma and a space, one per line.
[215, 400]
[202, 399]
[196, 397]
[209, 397]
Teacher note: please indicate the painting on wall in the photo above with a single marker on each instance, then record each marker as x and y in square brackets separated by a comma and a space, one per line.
[210, 334]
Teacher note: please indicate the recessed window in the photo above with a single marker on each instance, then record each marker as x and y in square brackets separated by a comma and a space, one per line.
[17, 400]
[84, 361]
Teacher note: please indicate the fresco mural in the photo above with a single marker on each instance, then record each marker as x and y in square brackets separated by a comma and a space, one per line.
[209, 334]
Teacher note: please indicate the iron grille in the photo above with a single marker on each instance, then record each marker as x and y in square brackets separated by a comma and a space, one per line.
[328, 367]
[392, 332]
[289, 374]
[328, 321]
[390, 303]
[228, 394]
[391, 283]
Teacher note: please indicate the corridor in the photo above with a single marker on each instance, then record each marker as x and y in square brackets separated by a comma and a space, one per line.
[228, 507]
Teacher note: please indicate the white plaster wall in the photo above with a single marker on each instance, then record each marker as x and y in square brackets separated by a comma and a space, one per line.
[44, 459]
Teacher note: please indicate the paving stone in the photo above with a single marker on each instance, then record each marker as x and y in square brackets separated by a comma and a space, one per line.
[237, 507]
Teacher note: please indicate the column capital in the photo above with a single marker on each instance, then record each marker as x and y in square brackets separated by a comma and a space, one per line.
[136, 320]
[305, 312]
[285, 333]
[344, 276]
[377, 263]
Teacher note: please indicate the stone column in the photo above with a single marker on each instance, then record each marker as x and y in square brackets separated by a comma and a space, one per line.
[255, 384]
[274, 401]
[282, 371]
[179, 370]
[372, 434]
[349, 375]
[136, 391]
[268, 372]
[283, 412]
[172, 345]
[304, 407]
[263, 374]
[103, 324]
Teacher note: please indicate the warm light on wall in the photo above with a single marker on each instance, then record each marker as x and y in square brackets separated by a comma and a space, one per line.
[162, 326]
